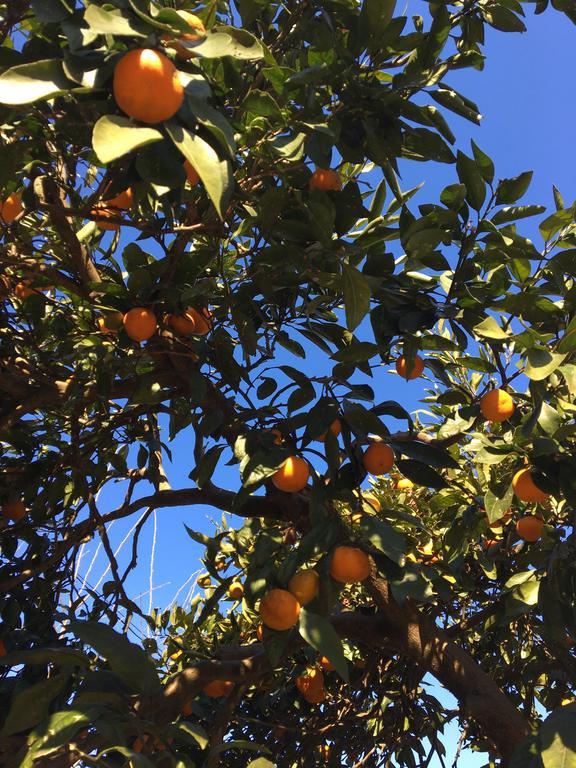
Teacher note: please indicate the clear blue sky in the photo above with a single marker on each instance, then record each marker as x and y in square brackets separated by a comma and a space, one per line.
[526, 96]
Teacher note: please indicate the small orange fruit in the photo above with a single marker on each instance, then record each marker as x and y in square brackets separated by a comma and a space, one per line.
[305, 585]
[326, 664]
[260, 633]
[236, 590]
[108, 219]
[402, 368]
[349, 565]
[335, 428]
[140, 323]
[526, 489]
[279, 609]
[139, 742]
[378, 459]
[220, 565]
[497, 405]
[218, 688]
[491, 547]
[191, 322]
[311, 685]
[292, 475]
[11, 208]
[197, 32]
[325, 179]
[529, 528]
[404, 484]
[23, 291]
[110, 322]
[147, 86]
[192, 176]
[123, 201]
[14, 510]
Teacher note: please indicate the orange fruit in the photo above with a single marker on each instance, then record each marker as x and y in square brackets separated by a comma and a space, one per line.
[349, 565]
[147, 86]
[191, 322]
[335, 428]
[311, 685]
[111, 322]
[106, 218]
[140, 323]
[402, 368]
[3, 650]
[220, 565]
[378, 459]
[218, 688]
[23, 291]
[279, 609]
[404, 484]
[325, 751]
[236, 590]
[14, 510]
[497, 405]
[526, 489]
[202, 320]
[326, 664]
[491, 546]
[123, 201]
[260, 633]
[204, 581]
[191, 174]
[304, 585]
[139, 742]
[292, 475]
[325, 179]
[11, 208]
[197, 32]
[187, 710]
[529, 528]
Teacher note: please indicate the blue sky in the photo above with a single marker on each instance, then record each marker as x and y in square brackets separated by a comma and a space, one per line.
[526, 97]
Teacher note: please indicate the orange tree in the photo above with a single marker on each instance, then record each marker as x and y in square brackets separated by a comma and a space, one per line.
[187, 213]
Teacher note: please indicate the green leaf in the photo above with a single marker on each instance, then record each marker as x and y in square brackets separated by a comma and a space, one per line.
[384, 537]
[215, 173]
[26, 83]
[555, 222]
[321, 635]
[261, 762]
[503, 19]
[510, 190]
[490, 329]
[129, 661]
[228, 41]
[196, 732]
[357, 352]
[113, 22]
[424, 452]
[452, 100]
[52, 11]
[115, 136]
[40, 656]
[421, 474]
[30, 706]
[484, 163]
[357, 294]
[557, 739]
[59, 729]
[495, 507]
[470, 176]
[515, 212]
[541, 363]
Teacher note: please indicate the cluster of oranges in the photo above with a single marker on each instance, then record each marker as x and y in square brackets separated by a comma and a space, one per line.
[141, 323]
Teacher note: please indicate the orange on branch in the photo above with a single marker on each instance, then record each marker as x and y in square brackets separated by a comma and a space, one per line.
[279, 609]
[497, 405]
[325, 179]
[187, 710]
[192, 176]
[292, 475]
[305, 585]
[147, 86]
[326, 664]
[311, 685]
[23, 291]
[349, 565]
[378, 459]
[529, 528]
[14, 510]
[403, 484]
[260, 633]
[218, 688]
[236, 590]
[11, 208]
[197, 32]
[526, 489]
[110, 322]
[409, 374]
[140, 323]
[335, 428]
[106, 218]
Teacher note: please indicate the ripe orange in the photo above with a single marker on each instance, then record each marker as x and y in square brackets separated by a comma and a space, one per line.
[140, 323]
[147, 86]
[304, 585]
[23, 291]
[123, 201]
[335, 428]
[106, 218]
[349, 565]
[218, 688]
[236, 590]
[526, 489]
[402, 368]
[191, 322]
[14, 510]
[404, 484]
[325, 179]
[11, 208]
[139, 742]
[326, 664]
[529, 528]
[260, 633]
[378, 459]
[311, 685]
[497, 405]
[491, 546]
[110, 322]
[279, 609]
[220, 565]
[292, 475]
[197, 32]
[191, 174]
